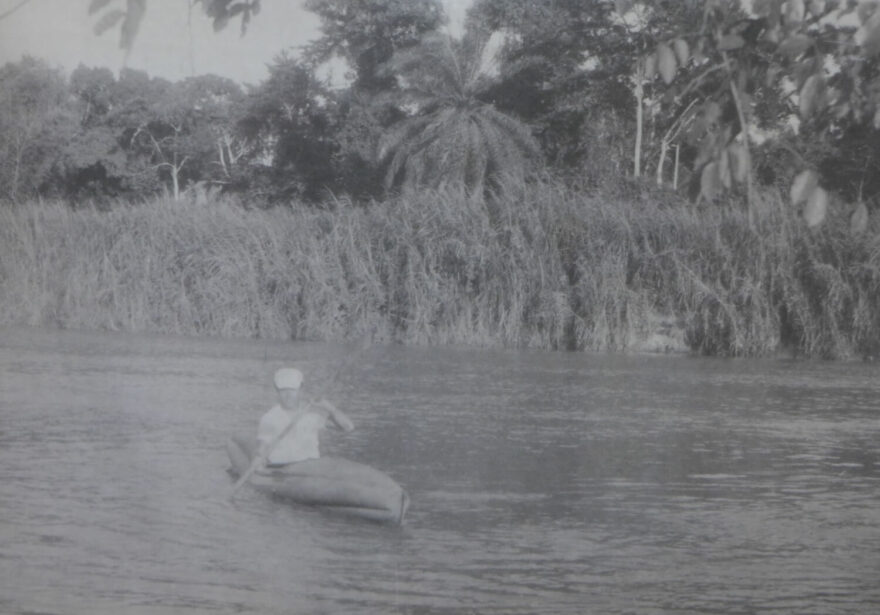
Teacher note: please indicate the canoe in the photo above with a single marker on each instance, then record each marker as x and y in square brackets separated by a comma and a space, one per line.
[329, 482]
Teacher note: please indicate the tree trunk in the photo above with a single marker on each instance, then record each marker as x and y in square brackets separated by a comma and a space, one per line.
[664, 146]
[744, 128]
[222, 156]
[16, 171]
[637, 170]
[675, 172]
[175, 183]
[175, 180]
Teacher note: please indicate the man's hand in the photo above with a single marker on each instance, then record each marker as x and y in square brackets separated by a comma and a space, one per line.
[342, 421]
[323, 407]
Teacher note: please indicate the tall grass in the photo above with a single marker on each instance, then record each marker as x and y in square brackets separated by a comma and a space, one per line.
[538, 266]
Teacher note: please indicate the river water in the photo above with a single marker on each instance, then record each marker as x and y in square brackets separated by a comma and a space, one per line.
[540, 482]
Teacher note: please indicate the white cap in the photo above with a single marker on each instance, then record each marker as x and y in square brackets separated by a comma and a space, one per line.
[288, 378]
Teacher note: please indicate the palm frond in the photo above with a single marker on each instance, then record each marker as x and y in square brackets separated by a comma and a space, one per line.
[452, 137]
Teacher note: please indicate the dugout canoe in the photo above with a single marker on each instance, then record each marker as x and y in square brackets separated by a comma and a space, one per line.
[329, 482]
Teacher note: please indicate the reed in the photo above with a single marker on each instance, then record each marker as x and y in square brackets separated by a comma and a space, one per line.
[537, 265]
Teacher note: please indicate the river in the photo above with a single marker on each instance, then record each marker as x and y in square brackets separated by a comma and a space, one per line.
[540, 482]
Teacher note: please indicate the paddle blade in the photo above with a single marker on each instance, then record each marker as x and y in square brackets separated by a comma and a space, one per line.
[244, 477]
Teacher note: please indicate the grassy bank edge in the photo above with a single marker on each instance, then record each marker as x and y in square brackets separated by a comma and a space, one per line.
[539, 266]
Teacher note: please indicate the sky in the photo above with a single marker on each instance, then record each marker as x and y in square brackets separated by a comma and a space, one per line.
[60, 31]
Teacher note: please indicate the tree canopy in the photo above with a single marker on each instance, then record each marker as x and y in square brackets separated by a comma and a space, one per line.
[711, 98]
[451, 136]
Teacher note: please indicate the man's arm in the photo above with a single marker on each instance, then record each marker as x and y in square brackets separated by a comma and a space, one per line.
[337, 416]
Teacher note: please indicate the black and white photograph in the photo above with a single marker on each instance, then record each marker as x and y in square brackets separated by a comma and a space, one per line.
[417, 307]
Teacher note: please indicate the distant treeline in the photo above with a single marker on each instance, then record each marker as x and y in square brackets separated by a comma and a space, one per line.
[591, 91]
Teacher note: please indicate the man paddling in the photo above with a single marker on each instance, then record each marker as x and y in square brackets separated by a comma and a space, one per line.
[296, 422]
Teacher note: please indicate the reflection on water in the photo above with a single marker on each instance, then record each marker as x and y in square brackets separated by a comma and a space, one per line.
[540, 482]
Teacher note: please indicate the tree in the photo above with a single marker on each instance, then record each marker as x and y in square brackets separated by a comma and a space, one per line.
[33, 113]
[112, 154]
[184, 126]
[451, 135]
[824, 53]
[367, 33]
[93, 87]
[96, 137]
[364, 32]
[829, 52]
[91, 163]
[708, 63]
[290, 119]
[564, 69]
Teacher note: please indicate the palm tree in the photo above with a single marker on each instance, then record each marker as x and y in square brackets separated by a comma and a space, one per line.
[451, 136]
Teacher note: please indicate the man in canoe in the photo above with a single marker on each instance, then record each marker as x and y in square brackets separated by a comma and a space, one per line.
[296, 422]
[287, 437]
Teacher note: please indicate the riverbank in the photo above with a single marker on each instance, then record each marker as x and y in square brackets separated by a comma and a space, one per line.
[541, 266]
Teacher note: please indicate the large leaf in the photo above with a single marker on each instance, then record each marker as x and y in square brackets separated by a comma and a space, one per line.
[811, 96]
[739, 162]
[705, 124]
[868, 35]
[682, 51]
[666, 62]
[215, 8]
[132, 23]
[710, 182]
[803, 186]
[731, 42]
[107, 21]
[650, 66]
[793, 46]
[794, 12]
[816, 208]
[237, 8]
[97, 5]
[220, 23]
[707, 147]
[724, 173]
[867, 9]
[858, 221]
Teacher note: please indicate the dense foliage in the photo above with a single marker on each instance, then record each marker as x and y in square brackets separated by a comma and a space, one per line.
[452, 137]
[717, 98]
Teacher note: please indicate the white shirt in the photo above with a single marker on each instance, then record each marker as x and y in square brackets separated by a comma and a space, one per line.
[300, 443]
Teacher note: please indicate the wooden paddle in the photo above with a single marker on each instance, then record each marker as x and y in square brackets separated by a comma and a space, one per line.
[259, 460]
